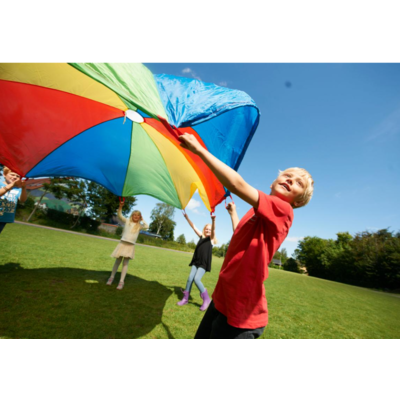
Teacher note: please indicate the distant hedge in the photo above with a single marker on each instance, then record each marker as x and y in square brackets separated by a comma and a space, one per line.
[90, 225]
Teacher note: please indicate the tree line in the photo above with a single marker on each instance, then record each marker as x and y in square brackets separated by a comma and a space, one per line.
[368, 259]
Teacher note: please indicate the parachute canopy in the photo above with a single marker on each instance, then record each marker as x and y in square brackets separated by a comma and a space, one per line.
[118, 125]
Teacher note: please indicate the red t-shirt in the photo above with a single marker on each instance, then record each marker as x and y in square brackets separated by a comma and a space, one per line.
[240, 292]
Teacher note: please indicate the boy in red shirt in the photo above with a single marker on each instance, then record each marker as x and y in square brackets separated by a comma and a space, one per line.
[239, 307]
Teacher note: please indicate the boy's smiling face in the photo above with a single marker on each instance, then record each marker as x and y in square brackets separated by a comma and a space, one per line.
[11, 177]
[289, 186]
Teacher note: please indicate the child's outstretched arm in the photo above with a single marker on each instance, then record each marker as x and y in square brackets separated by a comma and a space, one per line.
[226, 175]
[198, 233]
[119, 213]
[231, 207]
[212, 228]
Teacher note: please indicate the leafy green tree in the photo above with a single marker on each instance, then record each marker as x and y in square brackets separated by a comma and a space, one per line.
[98, 202]
[221, 250]
[102, 204]
[284, 255]
[309, 252]
[281, 255]
[166, 230]
[191, 244]
[181, 239]
[370, 259]
[376, 256]
[36, 205]
[291, 265]
[161, 216]
[71, 189]
[344, 238]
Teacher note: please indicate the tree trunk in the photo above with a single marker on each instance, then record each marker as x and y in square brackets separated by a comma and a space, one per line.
[37, 204]
[81, 212]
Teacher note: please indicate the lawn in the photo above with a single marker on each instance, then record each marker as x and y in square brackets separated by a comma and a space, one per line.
[52, 285]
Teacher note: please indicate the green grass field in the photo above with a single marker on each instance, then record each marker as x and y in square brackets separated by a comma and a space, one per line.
[52, 285]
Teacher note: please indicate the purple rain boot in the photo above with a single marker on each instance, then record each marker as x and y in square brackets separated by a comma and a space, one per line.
[206, 300]
[185, 299]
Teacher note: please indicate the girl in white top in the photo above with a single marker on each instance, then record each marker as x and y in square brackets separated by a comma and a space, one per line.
[125, 249]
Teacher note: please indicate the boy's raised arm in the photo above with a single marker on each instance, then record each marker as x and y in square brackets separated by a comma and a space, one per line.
[24, 193]
[226, 175]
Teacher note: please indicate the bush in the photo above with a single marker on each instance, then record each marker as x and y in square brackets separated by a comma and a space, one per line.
[291, 265]
[67, 220]
[119, 230]
[28, 205]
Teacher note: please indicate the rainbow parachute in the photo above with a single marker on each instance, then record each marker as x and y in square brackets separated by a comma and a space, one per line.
[118, 125]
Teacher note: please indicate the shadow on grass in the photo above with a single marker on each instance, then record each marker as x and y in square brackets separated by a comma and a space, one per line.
[76, 303]
[10, 267]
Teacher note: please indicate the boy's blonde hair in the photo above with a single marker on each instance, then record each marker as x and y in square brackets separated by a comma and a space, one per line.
[308, 190]
[215, 241]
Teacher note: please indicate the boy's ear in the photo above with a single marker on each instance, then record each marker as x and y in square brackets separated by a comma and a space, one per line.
[298, 203]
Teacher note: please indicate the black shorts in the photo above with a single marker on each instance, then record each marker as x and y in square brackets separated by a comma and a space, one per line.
[214, 325]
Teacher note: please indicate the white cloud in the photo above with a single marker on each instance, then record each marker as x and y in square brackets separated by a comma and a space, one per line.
[194, 207]
[294, 239]
[191, 72]
[389, 126]
[193, 204]
[196, 211]
[223, 83]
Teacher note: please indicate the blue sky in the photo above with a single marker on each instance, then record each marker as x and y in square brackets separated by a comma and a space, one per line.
[339, 121]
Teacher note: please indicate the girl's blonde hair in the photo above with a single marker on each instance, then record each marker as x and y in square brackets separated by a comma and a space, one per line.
[137, 227]
[215, 241]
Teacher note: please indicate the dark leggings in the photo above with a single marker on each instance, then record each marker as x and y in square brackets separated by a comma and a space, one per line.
[214, 325]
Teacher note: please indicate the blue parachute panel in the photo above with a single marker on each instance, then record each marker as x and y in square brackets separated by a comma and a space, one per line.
[189, 102]
[228, 135]
[84, 156]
